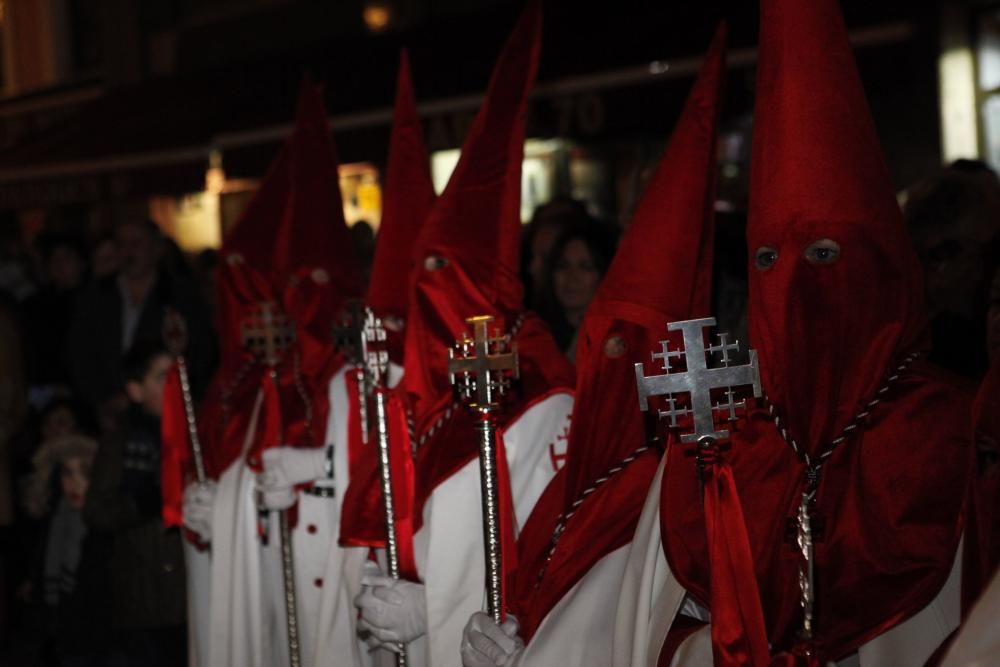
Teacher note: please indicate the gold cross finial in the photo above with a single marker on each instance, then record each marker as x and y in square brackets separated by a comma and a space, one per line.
[481, 367]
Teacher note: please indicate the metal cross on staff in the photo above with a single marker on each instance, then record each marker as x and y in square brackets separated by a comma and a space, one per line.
[698, 381]
[373, 341]
[268, 334]
[481, 369]
[349, 337]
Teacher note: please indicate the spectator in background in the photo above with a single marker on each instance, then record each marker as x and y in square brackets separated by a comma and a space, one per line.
[538, 237]
[104, 258]
[147, 564]
[15, 264]
[71, 577]
[12, 411]
[49, 313]
[130, 306]
[576, 265]
[953, 217]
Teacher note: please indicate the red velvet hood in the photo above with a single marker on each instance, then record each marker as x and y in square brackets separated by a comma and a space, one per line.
[291, 248]
[661, 273]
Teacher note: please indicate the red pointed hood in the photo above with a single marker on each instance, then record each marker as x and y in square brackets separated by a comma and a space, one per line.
[291, 247]
[466, 262]
[409, 196]
[467, 252]
[661, 273]
[826, 333]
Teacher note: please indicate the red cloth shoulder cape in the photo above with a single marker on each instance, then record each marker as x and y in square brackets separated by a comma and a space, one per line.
[889, 515]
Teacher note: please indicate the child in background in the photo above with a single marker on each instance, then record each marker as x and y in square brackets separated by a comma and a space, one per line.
[73, 563]
[148, 581]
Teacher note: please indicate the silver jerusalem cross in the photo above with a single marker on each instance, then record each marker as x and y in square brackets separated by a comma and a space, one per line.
[698, 381]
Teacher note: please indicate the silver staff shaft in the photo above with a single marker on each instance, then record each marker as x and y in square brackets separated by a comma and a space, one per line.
[192, 425]
[288, 573]
[486, 428]
[385, 475]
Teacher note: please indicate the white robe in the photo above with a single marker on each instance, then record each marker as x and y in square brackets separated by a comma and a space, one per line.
[330, 575]
[247, 627]
[449, 546]
[651, 597]
[580, 628]
[978, 643]
[198, 565]
[248, 619]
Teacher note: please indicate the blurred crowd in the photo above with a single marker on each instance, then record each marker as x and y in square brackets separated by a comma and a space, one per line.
[87, 574]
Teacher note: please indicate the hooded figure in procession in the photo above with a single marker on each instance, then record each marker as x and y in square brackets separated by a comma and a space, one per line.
[288, 268]
[573, 549]
[334, 573]
[466, 264]
[828, 540]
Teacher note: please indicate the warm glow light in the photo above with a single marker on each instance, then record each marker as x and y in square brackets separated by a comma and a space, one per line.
[215, 176]
[377, 16]
[361, 193]
[197, 222]
[959, 129]
[215, 180]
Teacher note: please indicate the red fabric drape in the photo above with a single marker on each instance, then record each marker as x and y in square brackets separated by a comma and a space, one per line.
[175, 452]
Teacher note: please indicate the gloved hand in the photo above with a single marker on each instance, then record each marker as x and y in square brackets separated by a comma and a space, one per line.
[486, 644]
[197, 508]
[284, 468]
[391, 610]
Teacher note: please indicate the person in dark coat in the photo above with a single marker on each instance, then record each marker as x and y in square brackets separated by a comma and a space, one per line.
[148, 579]
[129, 306]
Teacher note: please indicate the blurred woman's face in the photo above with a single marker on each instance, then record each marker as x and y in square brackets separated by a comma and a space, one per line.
[575, 279]
[74, 477]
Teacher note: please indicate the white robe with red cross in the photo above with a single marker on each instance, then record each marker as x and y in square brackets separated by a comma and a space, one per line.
[449, 549]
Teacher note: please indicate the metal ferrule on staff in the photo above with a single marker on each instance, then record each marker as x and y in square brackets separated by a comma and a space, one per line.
[481, 368]
[377, 365]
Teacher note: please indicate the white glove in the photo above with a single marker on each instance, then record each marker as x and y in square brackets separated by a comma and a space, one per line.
[199, 498]
[284, 468]
[486, 644]
[393, 611]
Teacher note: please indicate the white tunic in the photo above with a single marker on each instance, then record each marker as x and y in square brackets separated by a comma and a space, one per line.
[651, 597]
[198, 566]
[978, 643]
[330, 575]
[580, 628]
[247, 627]
[449, 546]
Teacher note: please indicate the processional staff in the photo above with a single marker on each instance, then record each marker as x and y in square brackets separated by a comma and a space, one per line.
[481, 369]
[268, 334]
[175, 336]
[376, 355]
